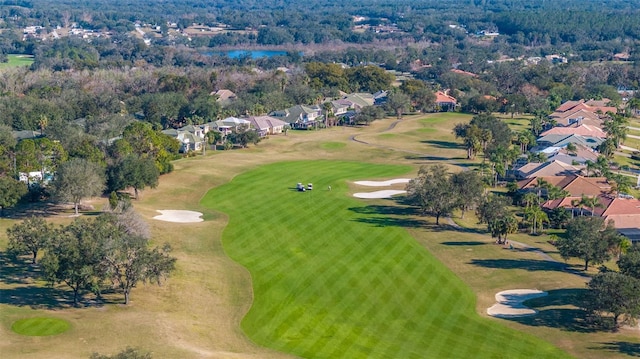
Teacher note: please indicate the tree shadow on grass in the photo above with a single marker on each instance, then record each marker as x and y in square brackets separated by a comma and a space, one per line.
[443, 144]
[630, 349]
[36, 297]
[392, 222]
[426, 158]
[463, 243]
[561, 308]
[16, 270]
[386, 210]
[531, 265]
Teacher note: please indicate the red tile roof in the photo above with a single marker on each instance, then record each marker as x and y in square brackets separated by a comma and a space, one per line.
[568, 105]
[442, 97]
[582, 130]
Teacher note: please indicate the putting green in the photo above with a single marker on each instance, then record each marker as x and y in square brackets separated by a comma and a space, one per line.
[336, 277]
[40, 326]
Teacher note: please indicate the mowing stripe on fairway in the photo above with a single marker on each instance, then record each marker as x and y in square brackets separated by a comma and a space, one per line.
[40, 326]
[335, 277]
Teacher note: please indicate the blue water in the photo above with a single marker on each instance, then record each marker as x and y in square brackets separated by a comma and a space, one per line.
[254, 54]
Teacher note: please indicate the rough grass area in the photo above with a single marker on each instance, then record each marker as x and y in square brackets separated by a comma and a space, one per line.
[39, 327]
[17, 60]
[334, 277]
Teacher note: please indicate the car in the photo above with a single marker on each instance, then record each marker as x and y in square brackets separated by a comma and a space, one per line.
[310, 186]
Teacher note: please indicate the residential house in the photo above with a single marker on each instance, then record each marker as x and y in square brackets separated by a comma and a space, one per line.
[445, 102]
[542, 169]
[580, 155]
[562, 140]
[191, 137]
[380, 97]
[581, 130]
[594, 106]
[267, 125]
[340, 107]
[228, 125]
[300, 116]
[225, 97]
[576, 118]
[359, 100]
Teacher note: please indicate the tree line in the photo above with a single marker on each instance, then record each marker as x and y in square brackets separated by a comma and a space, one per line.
[105, 254]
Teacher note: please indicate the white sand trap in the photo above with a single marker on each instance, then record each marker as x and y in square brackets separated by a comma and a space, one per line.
[379, 194]
[510, 303]
[382, 183]
[170, 215]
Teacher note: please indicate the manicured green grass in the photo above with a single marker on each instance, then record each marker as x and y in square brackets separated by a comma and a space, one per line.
[333, 145]
[17, 60]
[39, 326]
[333, 277]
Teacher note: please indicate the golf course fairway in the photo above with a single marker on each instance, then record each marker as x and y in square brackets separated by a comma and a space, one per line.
[336, 277]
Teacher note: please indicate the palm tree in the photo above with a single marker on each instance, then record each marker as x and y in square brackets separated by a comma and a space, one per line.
[634, 105]
[535, 216]
[327, 107]
[591, 202]
[576, 203]
[530, 199]
[616, 128]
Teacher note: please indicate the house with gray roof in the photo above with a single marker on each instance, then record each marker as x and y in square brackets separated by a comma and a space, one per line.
[300, 117]
[191, 137]
[561, 140]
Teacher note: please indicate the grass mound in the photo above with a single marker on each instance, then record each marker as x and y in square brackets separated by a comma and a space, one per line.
[335, 277]
[38, 327]
[333, 145]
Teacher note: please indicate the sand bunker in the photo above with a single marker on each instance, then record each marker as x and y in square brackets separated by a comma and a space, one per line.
[379, 194]
[382, 183]
[179, 216]
[510, 303]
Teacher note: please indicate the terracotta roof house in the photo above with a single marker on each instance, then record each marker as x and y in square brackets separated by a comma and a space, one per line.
[576, 117]
[591, 106]
[267, 125]
[582, 130]
[299, 116]
[558, 181]
[624, 212]
[445, 102]
[566, 106]
[225, 96]
[576, 185]
[554, 168]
